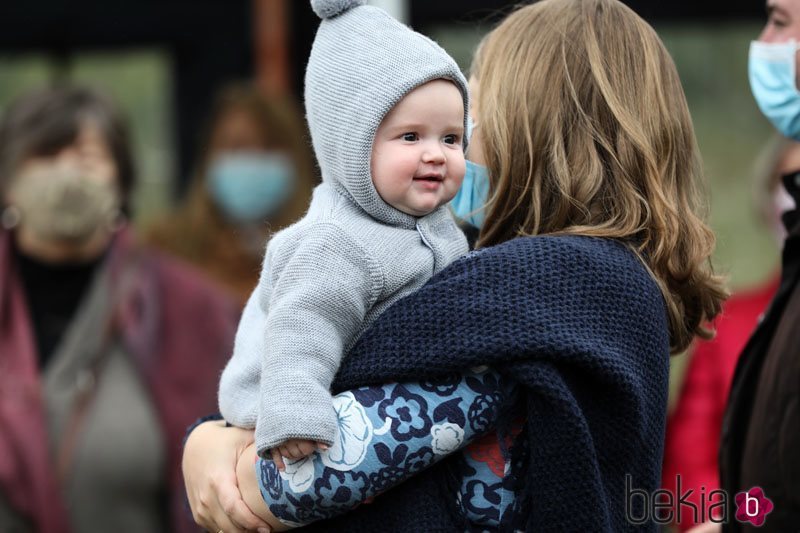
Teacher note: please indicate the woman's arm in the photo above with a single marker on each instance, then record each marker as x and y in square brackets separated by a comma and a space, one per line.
[386, 434]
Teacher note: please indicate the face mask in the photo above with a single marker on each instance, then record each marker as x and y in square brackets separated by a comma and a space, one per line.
[249, 187]
[772, 79]
[64, 204]
[471, 198]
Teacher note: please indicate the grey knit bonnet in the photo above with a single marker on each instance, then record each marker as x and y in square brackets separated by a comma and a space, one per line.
[362, 63]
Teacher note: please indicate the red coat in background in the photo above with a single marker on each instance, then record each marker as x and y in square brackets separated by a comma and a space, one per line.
[693, 428]
[179, 331]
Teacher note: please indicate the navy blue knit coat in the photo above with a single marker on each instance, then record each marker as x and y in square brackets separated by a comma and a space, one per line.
[581, 326]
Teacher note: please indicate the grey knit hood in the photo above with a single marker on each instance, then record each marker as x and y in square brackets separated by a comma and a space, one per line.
[363, 62]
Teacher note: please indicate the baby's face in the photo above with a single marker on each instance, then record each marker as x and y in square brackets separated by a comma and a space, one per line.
[418, 157]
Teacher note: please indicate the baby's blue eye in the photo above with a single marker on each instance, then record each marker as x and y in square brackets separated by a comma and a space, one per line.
[410, 137]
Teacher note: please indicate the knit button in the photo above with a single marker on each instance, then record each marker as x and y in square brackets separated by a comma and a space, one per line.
[424, 237]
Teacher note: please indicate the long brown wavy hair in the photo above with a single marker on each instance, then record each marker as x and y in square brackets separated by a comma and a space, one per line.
[586, 131]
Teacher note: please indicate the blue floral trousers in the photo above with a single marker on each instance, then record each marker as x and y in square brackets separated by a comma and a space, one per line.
[387, 434]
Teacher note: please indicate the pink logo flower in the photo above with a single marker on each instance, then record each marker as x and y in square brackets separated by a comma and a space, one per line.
[753, 506]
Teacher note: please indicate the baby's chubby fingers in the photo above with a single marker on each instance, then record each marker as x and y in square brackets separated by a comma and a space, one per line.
[287, 450]
[293, 449]
[306, 448]
[298, 448]
[277, 458]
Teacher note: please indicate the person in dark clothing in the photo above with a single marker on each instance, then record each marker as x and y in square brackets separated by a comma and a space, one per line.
[761, 427]
[693, 429]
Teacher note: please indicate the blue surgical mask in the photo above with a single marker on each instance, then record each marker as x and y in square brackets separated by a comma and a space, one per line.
[471, 198]
[772, 79]
[249, 187]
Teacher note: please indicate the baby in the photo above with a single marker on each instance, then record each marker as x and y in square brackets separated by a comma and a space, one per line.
[387, 111]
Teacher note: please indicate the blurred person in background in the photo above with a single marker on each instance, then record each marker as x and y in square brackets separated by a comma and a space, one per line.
[761, 427]
[107, 349]
[254, 177]
[693, 428]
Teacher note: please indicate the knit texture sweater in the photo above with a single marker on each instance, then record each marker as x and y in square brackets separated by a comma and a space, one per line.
[324, 280]
[581, 326]
[330, 275]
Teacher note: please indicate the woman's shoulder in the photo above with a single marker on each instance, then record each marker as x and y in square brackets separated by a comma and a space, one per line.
[567, 264]
[576, 250]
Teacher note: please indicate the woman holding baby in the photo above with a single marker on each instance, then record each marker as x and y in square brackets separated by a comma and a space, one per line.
[525, 384]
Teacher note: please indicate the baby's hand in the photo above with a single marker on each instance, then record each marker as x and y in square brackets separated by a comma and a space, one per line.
[294, 449]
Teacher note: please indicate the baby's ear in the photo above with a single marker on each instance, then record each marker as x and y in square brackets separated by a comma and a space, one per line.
[326, 9]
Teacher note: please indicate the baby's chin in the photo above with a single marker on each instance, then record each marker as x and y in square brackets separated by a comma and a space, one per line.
[421, 210]
[419, 203]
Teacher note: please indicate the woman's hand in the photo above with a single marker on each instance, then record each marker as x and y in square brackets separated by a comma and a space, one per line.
[209, 472]
[250, 491]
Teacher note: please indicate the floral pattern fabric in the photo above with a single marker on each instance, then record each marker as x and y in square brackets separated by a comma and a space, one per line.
[388, 433]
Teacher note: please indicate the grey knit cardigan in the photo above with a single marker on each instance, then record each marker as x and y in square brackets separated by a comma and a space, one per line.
[327, 277]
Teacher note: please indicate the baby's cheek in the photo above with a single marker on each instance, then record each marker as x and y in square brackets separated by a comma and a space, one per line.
[458, 171]
[459, 164]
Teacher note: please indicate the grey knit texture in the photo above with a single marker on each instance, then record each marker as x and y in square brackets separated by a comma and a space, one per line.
[330, 8]
[363, 62]
[326, 278]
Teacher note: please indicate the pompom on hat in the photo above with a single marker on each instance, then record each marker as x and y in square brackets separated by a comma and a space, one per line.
[326, 9]
[362, 63]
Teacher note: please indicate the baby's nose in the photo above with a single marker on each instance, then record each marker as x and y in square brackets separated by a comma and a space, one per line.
[433, 154]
